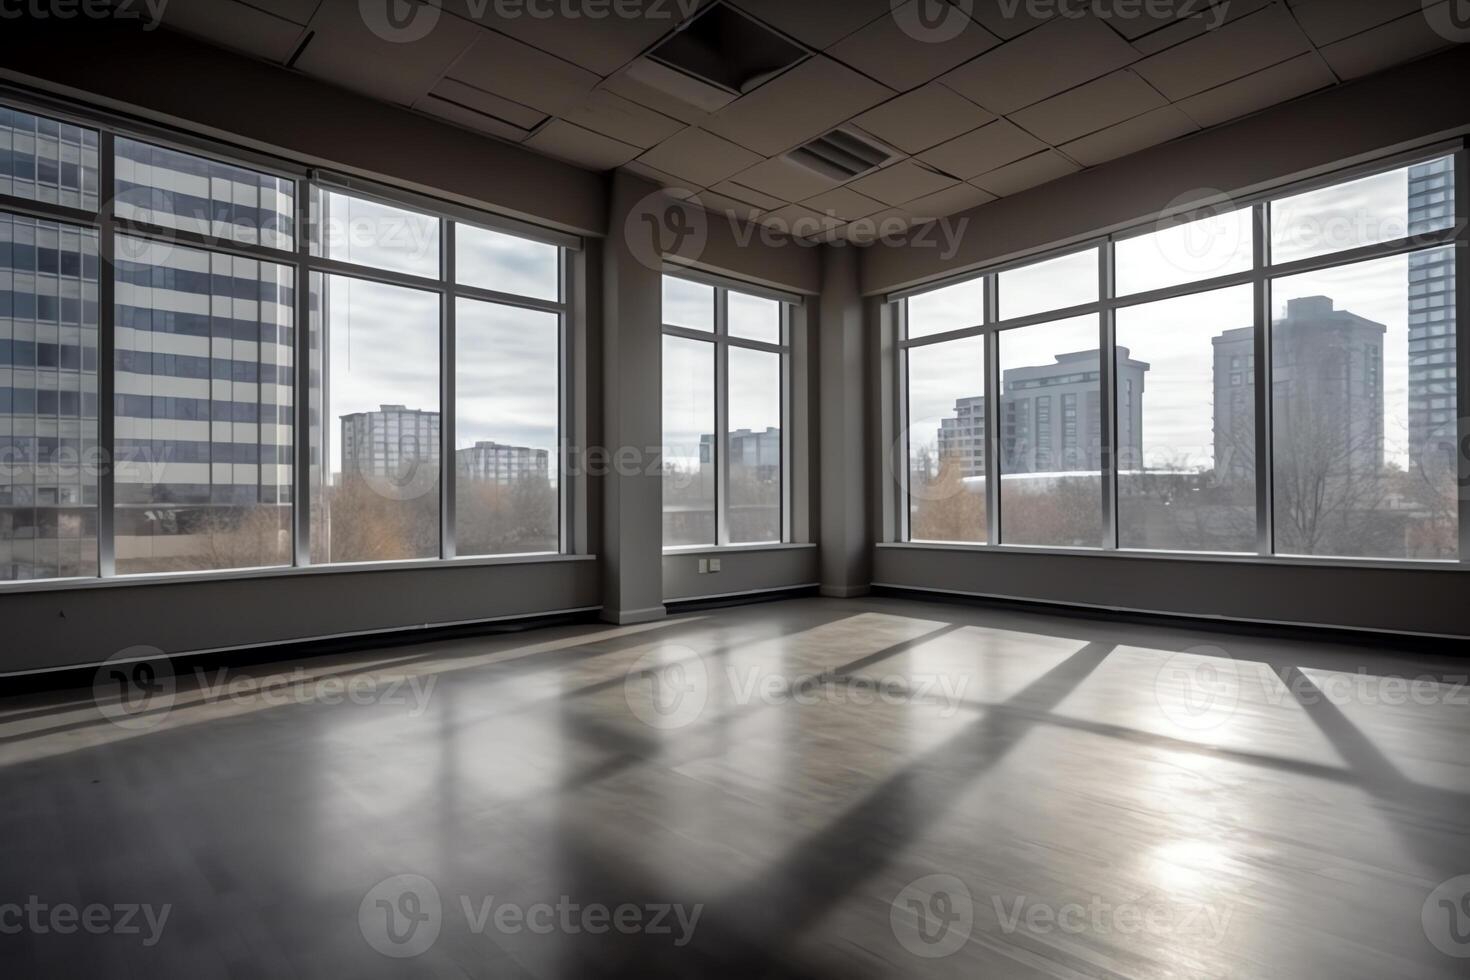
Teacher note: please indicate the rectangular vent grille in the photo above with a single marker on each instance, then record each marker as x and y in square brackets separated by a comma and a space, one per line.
[839, 155]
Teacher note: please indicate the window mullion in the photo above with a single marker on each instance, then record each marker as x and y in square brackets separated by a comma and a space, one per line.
[1462, 348]
[992, 413]
[301, 441]
[106, 358]
[447, 468]
[1265, 528]
[1108, 398]
[722, 418]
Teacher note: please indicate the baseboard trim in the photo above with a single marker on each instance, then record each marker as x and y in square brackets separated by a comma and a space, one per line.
[845, 591]
[1203, 621]
[630, 617]
[747, 597]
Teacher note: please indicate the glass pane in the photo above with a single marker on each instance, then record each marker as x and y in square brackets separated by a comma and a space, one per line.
[1381, 208]
[951, 308]
[1187, 423]
[48, 400]
[507, 264]
[45, 160]
[218, 200]
[689, 304]
[689, 442]
[1056, 284]
[754, 509]
[754, 318]
[375, 421]
[946, 435]
[1363, 409]
[370, 233]
[1220, 245]
[1051, 435]
[507, 406]
[204, 384]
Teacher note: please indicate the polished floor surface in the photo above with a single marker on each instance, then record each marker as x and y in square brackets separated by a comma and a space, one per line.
[822, 788]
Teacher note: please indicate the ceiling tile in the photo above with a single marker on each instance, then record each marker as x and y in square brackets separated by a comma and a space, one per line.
[729, 206]
[1025, 174]
[581, 146]
[612, 115]
[816, 23]
[491, 105]
[1393, 43]
[798, 221]
[1326, 21]
[1133, 18]
[901, 183]
[885, 51]
[893, 221]
[1252, 93]
[1008, 20]
[1090, 107]
[237, 27]
[657, 176]
[953, 200]
[600, 44]
[630, 88]
[844, 203]
[701, 158]
[521, 73]
[1210, 19]
[346, 52]
[1136, 134]
[780, 178]
[923, 118]
[747, 195]
[1247, 45]
[469, 118]
[983, 150]
[800, 105]
[296, 11]
[1051, 59]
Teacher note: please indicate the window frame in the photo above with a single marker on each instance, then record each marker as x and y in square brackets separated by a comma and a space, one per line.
[304, 180]
[721, 340]
[1259, 276]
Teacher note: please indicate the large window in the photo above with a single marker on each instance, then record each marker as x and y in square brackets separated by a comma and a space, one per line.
[1290, 393]
[724, 398]
[162, 432]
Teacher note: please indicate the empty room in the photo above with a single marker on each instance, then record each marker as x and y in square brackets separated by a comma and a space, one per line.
[751, 488]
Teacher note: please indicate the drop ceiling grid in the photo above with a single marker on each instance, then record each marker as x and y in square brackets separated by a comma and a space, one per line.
[1113, 99]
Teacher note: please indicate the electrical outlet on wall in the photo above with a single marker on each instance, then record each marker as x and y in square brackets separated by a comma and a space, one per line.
[703, 565]
[714, 564]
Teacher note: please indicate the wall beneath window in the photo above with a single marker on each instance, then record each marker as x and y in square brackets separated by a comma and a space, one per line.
[741, 572]
[64, 627]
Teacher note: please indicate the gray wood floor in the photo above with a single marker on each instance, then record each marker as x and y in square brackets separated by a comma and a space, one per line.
[856, 788]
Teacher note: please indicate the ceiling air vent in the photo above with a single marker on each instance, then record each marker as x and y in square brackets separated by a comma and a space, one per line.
[840, 155]
[715, 58]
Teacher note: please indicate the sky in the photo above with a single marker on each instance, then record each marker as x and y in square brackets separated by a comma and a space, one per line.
[1174, 337]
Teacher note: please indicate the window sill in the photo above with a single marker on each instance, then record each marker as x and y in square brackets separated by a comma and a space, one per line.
[167, 578]
[1416, 565]
[725, 549]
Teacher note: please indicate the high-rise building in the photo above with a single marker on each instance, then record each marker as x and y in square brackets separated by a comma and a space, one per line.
[491, 462]
[1235, 406]
[756, 453]
[1432, 413]
[390, 442]
[962, 436]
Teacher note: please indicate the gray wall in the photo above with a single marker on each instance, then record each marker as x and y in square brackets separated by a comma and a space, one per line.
[742, 572]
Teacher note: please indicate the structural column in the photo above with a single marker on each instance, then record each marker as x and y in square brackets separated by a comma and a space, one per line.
[845, 444]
